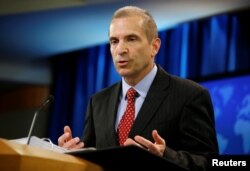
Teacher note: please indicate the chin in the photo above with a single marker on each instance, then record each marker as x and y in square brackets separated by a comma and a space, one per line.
[124, 73]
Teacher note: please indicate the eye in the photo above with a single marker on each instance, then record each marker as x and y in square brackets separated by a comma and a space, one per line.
[113, 41]
[131, 39]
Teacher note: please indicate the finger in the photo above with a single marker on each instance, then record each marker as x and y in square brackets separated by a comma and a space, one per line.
[129, 141]
[71, 144]
[67, 129]
[144, 142]
[157, 138]
[79, 145]
[60, 141]
[151, 147]
[63, 138]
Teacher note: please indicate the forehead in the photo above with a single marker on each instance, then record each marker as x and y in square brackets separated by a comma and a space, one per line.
[126, 26]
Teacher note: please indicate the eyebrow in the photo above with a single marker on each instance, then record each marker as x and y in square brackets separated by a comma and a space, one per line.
[129, 35]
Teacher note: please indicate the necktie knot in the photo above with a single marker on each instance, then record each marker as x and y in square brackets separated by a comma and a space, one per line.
[131, 94]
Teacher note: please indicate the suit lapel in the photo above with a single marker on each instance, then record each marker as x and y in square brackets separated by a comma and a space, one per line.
[112, 106]
[156, 94]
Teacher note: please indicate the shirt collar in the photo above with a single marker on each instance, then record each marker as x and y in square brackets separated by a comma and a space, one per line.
[143, 86]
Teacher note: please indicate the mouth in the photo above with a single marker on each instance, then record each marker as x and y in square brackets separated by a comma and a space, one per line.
[122, 63]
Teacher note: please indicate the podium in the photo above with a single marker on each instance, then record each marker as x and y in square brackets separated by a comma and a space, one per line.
[19, 157]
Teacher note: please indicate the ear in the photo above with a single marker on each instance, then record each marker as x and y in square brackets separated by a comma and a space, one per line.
[156, 44]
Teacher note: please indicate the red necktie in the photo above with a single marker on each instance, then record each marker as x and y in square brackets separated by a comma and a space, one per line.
[127, 118]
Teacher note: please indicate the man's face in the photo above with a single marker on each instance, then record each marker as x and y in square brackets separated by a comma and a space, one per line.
[133, 55]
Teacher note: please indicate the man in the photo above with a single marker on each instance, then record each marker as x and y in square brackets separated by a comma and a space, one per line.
[173, 117]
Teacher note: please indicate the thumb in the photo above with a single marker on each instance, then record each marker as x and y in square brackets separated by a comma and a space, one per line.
[157, 138]
[68, 130]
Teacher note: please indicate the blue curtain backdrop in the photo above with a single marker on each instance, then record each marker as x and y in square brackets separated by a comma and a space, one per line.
[197, 49]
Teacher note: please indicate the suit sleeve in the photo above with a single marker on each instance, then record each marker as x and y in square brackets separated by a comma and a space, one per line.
[197, 134]
[88, 136]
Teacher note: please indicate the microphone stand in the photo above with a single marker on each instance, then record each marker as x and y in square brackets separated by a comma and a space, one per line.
[48, 100]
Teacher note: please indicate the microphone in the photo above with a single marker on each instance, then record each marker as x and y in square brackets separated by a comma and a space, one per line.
[47, 101]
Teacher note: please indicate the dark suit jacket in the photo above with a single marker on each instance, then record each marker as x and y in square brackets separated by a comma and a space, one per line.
[180, 110]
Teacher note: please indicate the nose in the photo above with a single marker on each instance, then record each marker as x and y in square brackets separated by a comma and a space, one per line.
[121, 48]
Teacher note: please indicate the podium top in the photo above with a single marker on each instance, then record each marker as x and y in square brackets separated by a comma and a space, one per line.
[20, 157]
[126, 158]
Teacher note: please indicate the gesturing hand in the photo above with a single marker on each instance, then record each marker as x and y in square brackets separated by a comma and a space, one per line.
[158, 147]
[66, 140]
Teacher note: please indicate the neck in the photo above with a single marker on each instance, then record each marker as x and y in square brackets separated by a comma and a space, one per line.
[132, 81]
